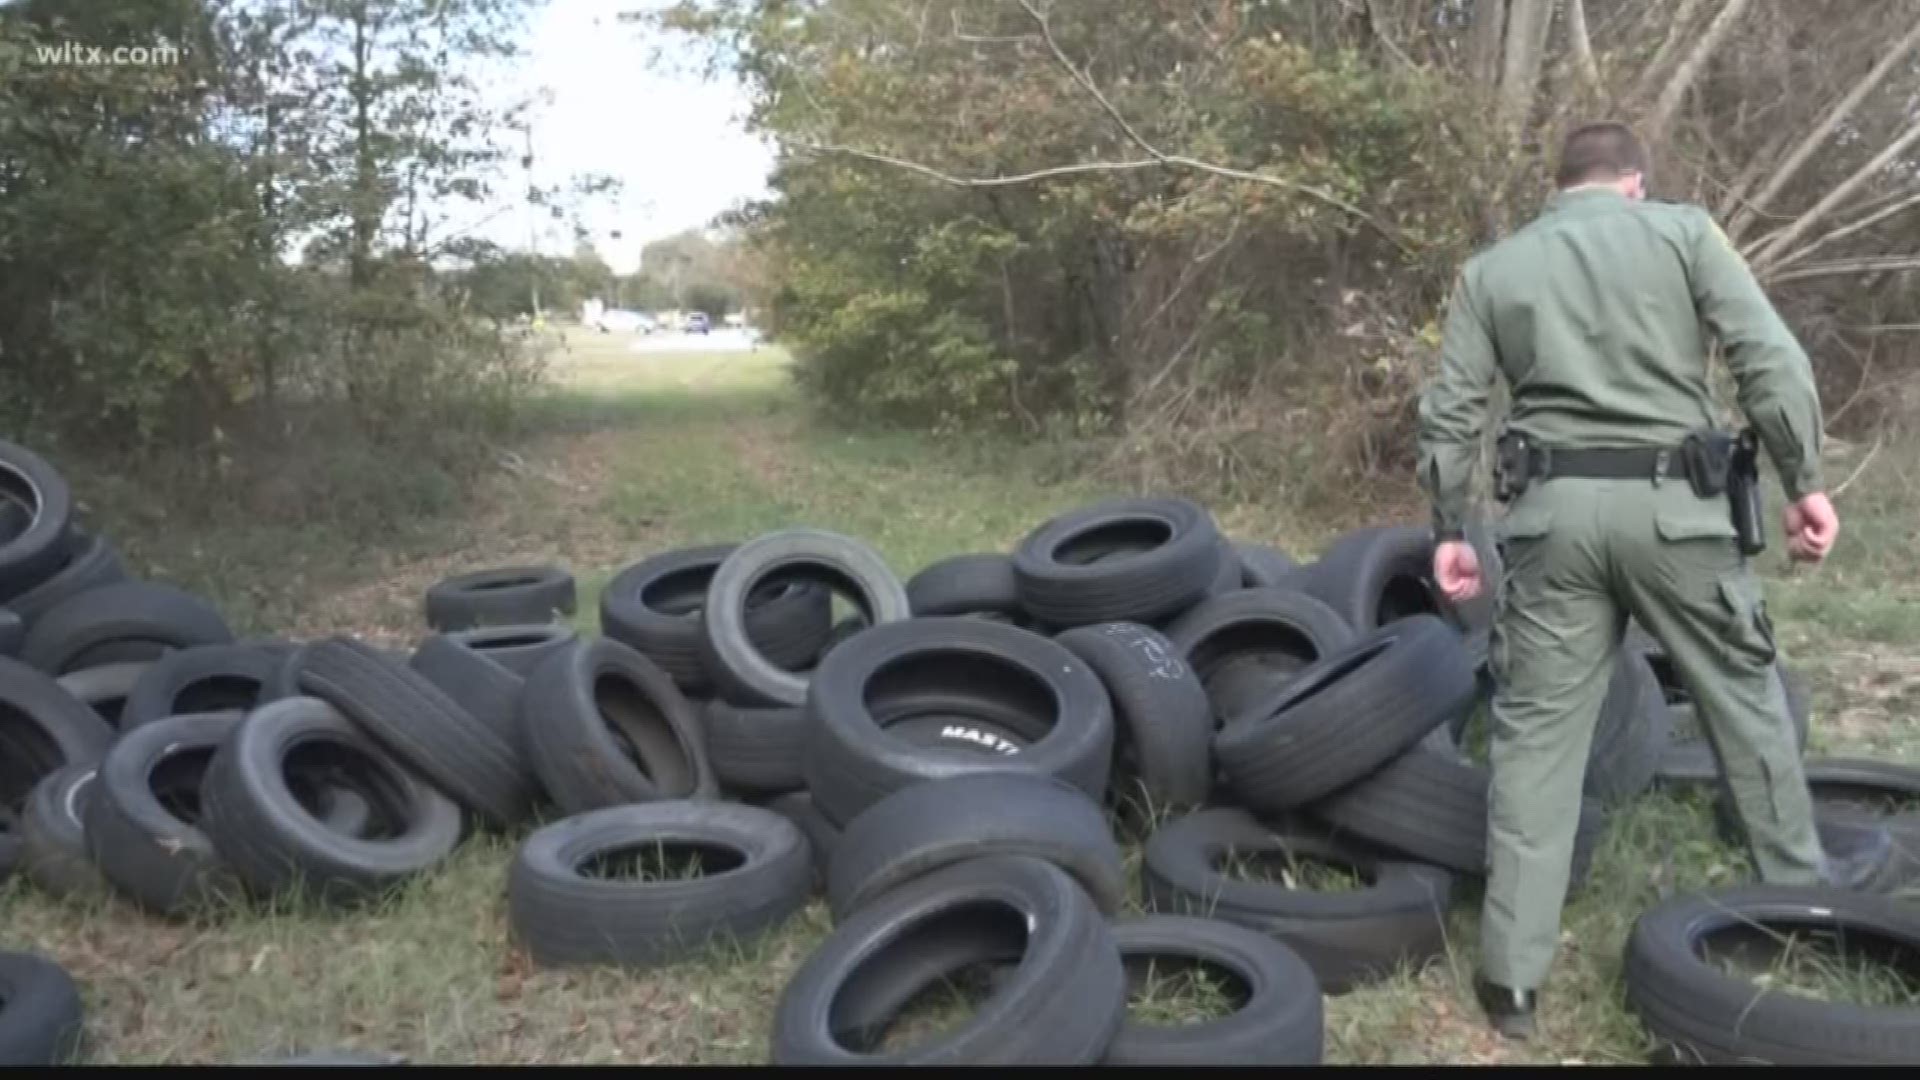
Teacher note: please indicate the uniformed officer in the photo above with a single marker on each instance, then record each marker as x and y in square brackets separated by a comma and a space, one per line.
[1598, 314]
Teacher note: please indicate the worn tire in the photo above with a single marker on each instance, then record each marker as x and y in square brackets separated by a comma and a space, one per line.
[104, 689]
[484, 687]
[976, 584]
[743, 672]
[142, 826]
[604, 726]
[564, 917]
[504, 596]
[13, 633]
[1126, 560]
[278, 843]
[1346, 715]
[1630, 735]
[205, 678]
[1432, 806]
[89, 562]
[1163, 724]
[130, 620]
[518, 648]
[1279, 631]
[823, 836]
[757, 751]
[921, 828]
[420, 725]
[31, 555]
[657, 606]
[1348, 938]
[954, 667]
[41, 1018]
[1374, 576]
[53, 835]
[1701, 1014]
[1851, 789]
[1281, 1020]
[43, 729]
[1062, 1002]
[1263, 565]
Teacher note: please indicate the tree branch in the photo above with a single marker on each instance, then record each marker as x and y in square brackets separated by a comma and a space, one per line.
[1581, 44]
[1833, 119]
[1876, 264]
[1682, 20]
[1385, 37]
[1087, 84]
[1786, 237]
[1843, 232]
[1682, 81]
[979, 181]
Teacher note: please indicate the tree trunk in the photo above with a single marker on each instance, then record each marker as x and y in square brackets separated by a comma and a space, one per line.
[1581, 45]
[1682, 19]
[1677, 87]
[1824, 130]
[1483, 44]
[366, 178]
[1528, 24]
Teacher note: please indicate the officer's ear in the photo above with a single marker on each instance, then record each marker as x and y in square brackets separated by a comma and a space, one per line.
[1636, 186]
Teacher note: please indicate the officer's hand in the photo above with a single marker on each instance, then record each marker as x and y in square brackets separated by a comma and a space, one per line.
[1457, 570]
[1812, 526]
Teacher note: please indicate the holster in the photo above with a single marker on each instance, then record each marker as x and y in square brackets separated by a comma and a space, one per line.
[1707, 457]
[1743, 492]
[1514, 461]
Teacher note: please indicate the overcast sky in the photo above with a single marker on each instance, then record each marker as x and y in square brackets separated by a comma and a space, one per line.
[672, 138]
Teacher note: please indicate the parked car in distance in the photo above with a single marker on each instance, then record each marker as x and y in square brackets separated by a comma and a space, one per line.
[698, 323]
[623, 321]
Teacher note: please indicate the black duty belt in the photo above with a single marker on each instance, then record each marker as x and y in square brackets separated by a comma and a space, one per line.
[1637, 463]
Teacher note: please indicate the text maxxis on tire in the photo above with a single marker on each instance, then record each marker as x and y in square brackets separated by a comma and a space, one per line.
[1061, 1004]
[970, 666]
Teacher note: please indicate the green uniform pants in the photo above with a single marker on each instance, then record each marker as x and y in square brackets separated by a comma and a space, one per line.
[1580, 557]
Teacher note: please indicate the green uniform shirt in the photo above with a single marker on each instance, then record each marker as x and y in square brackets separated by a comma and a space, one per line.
[1598, 313]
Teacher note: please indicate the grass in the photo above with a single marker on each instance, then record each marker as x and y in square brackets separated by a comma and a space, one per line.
[634, 455]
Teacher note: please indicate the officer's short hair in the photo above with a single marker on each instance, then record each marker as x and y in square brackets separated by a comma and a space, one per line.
[1604, 151]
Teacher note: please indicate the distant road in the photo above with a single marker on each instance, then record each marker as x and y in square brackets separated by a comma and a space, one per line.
[722, 340]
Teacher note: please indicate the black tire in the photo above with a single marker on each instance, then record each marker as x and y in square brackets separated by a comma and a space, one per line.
[42, 730]
[977, 584]
[743, 672]
[1431, 806]
[53, 836]
[1263, 565]
[564, 917]
[823, 836]
[1346, 715]
[1062, 1002]
[604, 726]
[1279, 631]
[1374, 576]
[142, 823]
[421, 726]
[519, 648]
[1848, 789]
[13, 633]
[89, 562]
[1163, 724]
[206, 678]
[41, 1019]
[104, 689]
[264, 814]
[485, 688]
[657, 606]
[1348, 938]
[1630, 735]
[1122, 560]
[130, 620]
[954, 667]
[1230, 575]
[31, 555]
[1279, 1018]
[1701, 1014]
[757, 751]
[921, 828]
[505, 596]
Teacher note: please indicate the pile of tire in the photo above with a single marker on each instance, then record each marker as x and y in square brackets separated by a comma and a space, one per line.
[954, 764]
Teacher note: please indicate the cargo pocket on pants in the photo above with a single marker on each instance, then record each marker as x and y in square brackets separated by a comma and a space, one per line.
[1749, 628]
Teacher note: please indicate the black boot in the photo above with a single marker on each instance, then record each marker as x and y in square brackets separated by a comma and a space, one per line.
[1510, 1011]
